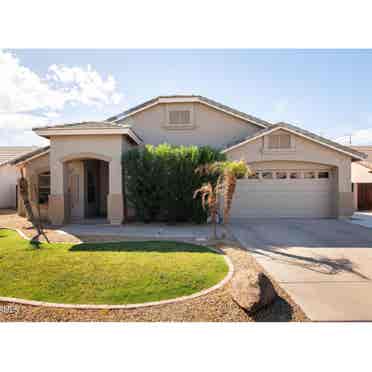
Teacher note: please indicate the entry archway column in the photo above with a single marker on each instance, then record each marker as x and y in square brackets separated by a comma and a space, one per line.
[58, 204]
[115, 204]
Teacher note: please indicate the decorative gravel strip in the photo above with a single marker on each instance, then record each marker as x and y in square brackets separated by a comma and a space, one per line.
[10, 220]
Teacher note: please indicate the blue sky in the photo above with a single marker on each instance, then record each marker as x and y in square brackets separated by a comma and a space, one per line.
[325, 91]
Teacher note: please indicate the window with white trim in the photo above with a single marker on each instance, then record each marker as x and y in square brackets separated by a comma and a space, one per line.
[179, 117]
[279, 141]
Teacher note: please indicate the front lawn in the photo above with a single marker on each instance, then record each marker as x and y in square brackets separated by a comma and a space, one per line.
[105, 273]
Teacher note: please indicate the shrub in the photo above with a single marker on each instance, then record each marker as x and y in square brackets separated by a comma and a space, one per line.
[160, 181]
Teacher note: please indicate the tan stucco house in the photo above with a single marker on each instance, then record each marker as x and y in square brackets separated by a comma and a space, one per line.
[298, 174]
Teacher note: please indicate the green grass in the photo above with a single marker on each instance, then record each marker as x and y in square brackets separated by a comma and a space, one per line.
[105, 273]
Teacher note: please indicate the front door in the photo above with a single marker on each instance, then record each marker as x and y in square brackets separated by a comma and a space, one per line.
[75, 190]
[365, 196]
[91, 188]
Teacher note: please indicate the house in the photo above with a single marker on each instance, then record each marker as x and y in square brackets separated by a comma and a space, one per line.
[361, 177]
[9, 174]
[298, 173]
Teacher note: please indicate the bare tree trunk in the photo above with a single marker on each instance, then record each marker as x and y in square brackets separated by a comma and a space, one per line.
[36, 223]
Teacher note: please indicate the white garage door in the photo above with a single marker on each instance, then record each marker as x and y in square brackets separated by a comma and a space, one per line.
[284, 194]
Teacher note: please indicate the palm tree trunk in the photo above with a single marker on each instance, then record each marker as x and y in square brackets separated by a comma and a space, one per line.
[230, 186]
[24, 191]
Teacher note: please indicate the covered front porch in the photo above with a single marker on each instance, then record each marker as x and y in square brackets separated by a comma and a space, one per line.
[85, 161]
[91, 190]
[87, 190]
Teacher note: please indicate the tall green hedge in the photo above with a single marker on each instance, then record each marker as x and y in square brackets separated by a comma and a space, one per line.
[160, 181]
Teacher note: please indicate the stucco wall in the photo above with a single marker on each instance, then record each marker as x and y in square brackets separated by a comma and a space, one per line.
[210, 126]
[70, 147]
[8, 183]
[307, 151]
[360, 174]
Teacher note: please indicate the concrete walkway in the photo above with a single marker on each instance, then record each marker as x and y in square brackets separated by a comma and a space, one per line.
[138, 230]
[324, 265]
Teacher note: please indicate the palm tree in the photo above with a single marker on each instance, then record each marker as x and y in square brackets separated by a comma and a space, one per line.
[228, 173]
[232, 171]
[36, 222]
[210, 200]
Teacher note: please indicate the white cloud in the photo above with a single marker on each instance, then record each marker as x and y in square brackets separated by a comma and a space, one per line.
[358, 137]
[22, 121]
[84, 85]
[27, 99]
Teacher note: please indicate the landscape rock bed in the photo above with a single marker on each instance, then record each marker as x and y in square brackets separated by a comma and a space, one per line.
[217, 306]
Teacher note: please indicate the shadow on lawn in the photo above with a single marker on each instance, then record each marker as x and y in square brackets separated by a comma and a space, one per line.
[144, 246]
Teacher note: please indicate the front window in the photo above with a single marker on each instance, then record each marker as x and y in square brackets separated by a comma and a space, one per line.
[44, 187]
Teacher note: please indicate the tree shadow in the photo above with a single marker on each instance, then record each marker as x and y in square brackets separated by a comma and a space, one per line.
[142, 246]
[320, 264]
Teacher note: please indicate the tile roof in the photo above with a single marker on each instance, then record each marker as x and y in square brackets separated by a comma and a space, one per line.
[202, 99]
[84, 125]
[28, 155]
[306, 133]
[10, 152]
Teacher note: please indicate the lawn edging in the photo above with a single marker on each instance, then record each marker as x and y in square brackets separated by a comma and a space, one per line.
[222, 283]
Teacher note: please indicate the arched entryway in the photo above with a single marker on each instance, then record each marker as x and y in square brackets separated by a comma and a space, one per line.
[86, 186]
[87, 189]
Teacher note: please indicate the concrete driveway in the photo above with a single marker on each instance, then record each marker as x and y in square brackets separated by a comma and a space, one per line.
[325, 265]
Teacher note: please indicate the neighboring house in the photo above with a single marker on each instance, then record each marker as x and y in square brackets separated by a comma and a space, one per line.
[9, 175]
[298, 174]
[361, 177]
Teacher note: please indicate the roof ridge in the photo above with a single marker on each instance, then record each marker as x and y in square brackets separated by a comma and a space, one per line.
[27, 155]
[322, 138]
[300, 131]
[202, 99]
[69, 125]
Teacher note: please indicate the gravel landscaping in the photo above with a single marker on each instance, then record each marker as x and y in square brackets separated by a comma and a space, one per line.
[216, 306]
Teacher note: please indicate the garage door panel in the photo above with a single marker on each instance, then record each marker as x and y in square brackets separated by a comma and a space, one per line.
[308, 198]
[279, 185]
